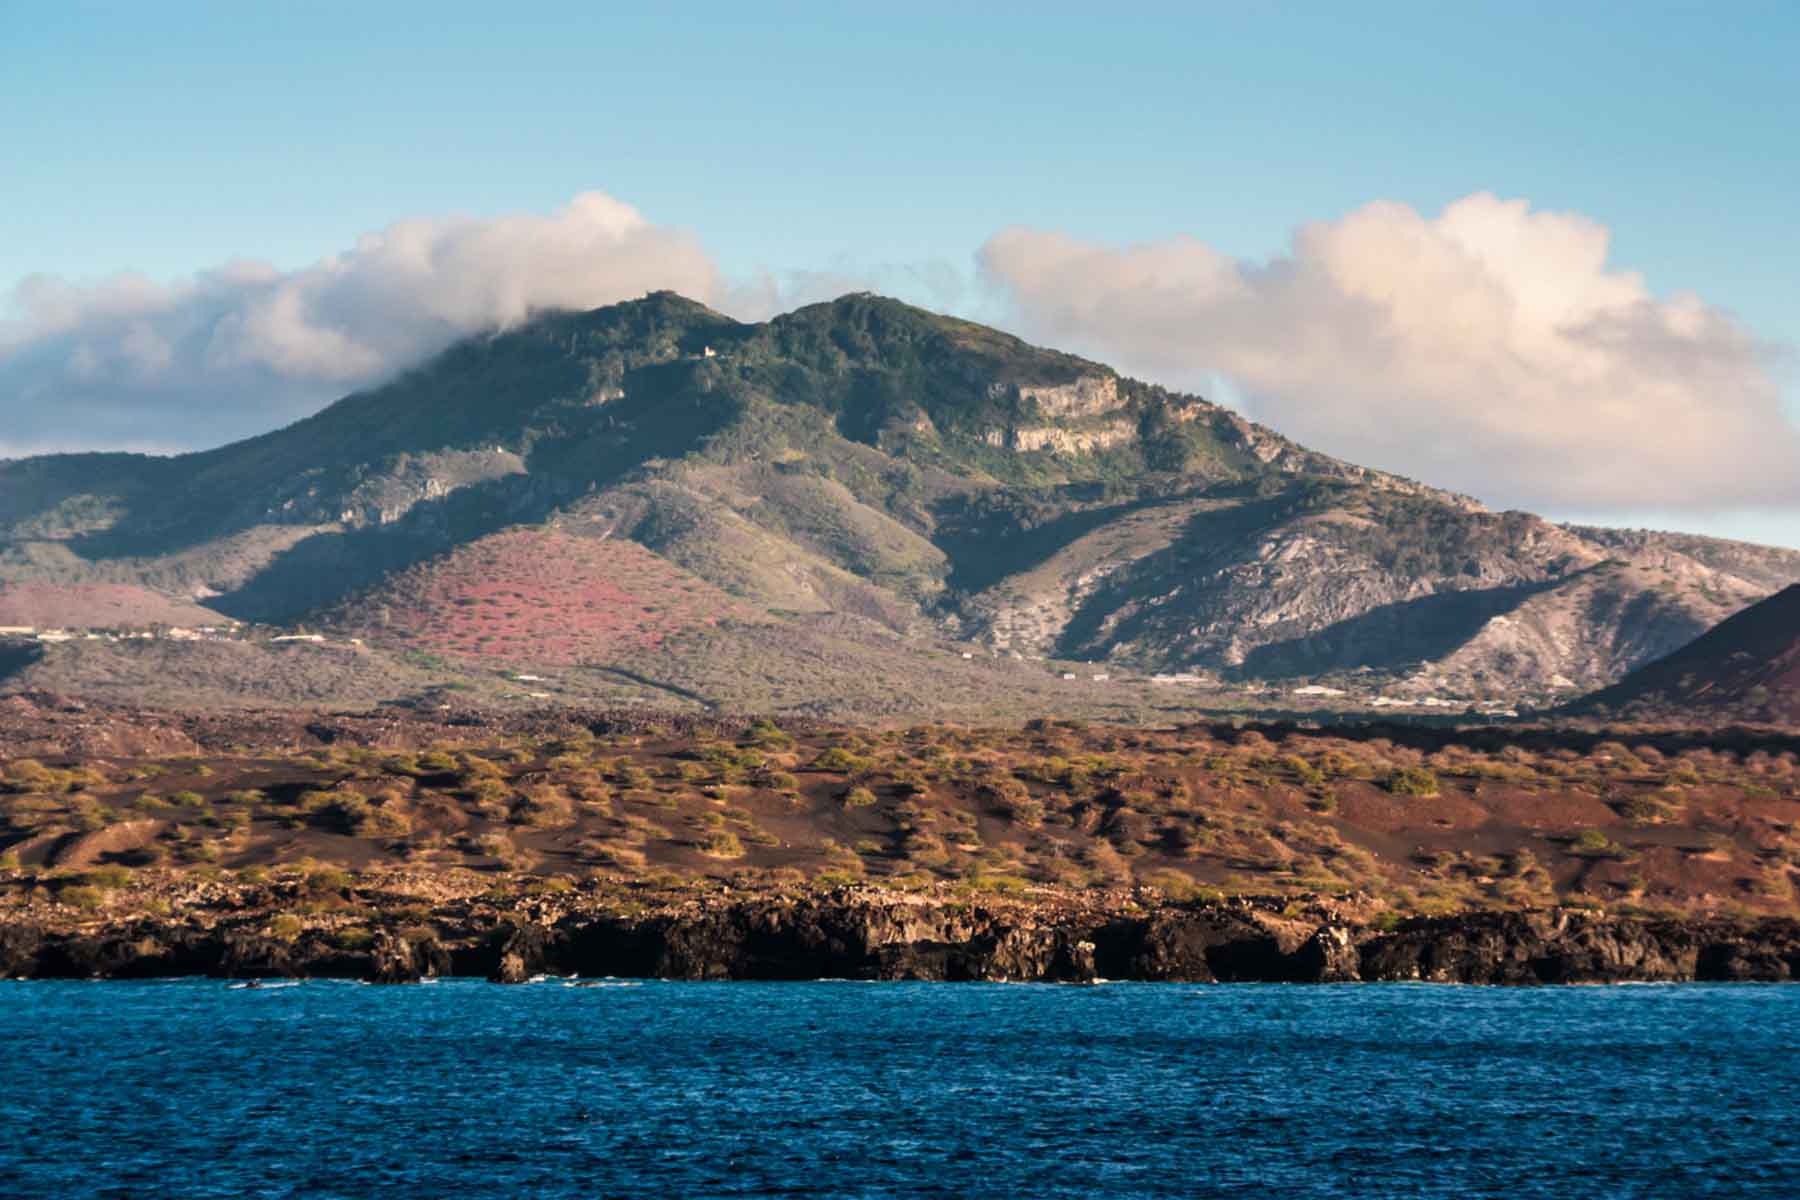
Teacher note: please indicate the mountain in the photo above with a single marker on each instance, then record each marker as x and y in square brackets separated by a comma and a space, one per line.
[1747, 669]
[841, 483]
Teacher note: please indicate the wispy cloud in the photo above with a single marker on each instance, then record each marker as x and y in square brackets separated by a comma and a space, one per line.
[1491, 349]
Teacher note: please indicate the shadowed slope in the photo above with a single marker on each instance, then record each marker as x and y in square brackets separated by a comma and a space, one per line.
[1745, 669]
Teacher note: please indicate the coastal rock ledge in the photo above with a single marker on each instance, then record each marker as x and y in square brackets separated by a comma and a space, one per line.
[867, 934]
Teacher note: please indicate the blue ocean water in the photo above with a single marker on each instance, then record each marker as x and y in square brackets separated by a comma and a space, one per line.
[468, 1089]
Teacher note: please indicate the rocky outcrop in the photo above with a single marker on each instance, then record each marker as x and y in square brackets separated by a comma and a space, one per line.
[1082, 417]
[1088, 396]
[1564, 947]
[1027, 438]
[893, 936]
[521, 951]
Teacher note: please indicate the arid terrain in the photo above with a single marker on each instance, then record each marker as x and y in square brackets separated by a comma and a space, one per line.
[645, 610]
[326, 828]
[673, 508]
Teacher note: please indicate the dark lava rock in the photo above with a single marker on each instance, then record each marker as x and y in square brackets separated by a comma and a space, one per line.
[397, 959]
[522, 951]
[867, 935]
[1558, 946]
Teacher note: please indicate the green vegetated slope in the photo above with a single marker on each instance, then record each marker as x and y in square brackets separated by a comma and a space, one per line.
[886, 470]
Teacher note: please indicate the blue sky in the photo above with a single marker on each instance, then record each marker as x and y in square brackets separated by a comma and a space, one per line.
[886, 142]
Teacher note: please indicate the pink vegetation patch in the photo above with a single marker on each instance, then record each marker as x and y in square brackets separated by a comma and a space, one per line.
[534, 597]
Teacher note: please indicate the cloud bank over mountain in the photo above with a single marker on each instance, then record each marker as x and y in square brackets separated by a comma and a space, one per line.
[234, 351]
[1490, 348]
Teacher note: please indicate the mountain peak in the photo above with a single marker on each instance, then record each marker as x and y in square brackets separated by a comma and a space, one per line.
[876, 325]
[644, 317]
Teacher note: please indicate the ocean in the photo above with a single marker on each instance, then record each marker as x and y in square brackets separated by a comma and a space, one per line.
[468, 1089]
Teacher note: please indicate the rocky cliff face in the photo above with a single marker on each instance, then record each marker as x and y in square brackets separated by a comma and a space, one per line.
[872, 935]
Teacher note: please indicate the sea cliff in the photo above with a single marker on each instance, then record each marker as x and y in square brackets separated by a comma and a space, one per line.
[866, 933]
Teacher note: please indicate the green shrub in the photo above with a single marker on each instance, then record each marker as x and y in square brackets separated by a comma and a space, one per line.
[721, 844]
[1648, 809]
[108, 878]
[81, 896]
[769, 735]
[29, 775]
[327, 879]
[1305, 772]
[1591, 843]
[858, 797]
[489, 792]
[1413, 781]
[385, 820]
[544, 807]
[1024, 810]
[1686, 774]
[840, 760]
[497, 846]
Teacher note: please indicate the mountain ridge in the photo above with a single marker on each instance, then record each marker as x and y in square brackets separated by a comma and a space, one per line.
[921, 474]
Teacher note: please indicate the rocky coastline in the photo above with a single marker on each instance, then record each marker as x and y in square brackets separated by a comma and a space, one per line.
[873, 934]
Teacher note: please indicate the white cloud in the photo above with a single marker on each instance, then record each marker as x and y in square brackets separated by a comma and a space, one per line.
[239, 349]
[1490, 349]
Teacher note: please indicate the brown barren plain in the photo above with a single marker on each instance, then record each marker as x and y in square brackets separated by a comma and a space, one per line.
[1405, 821]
